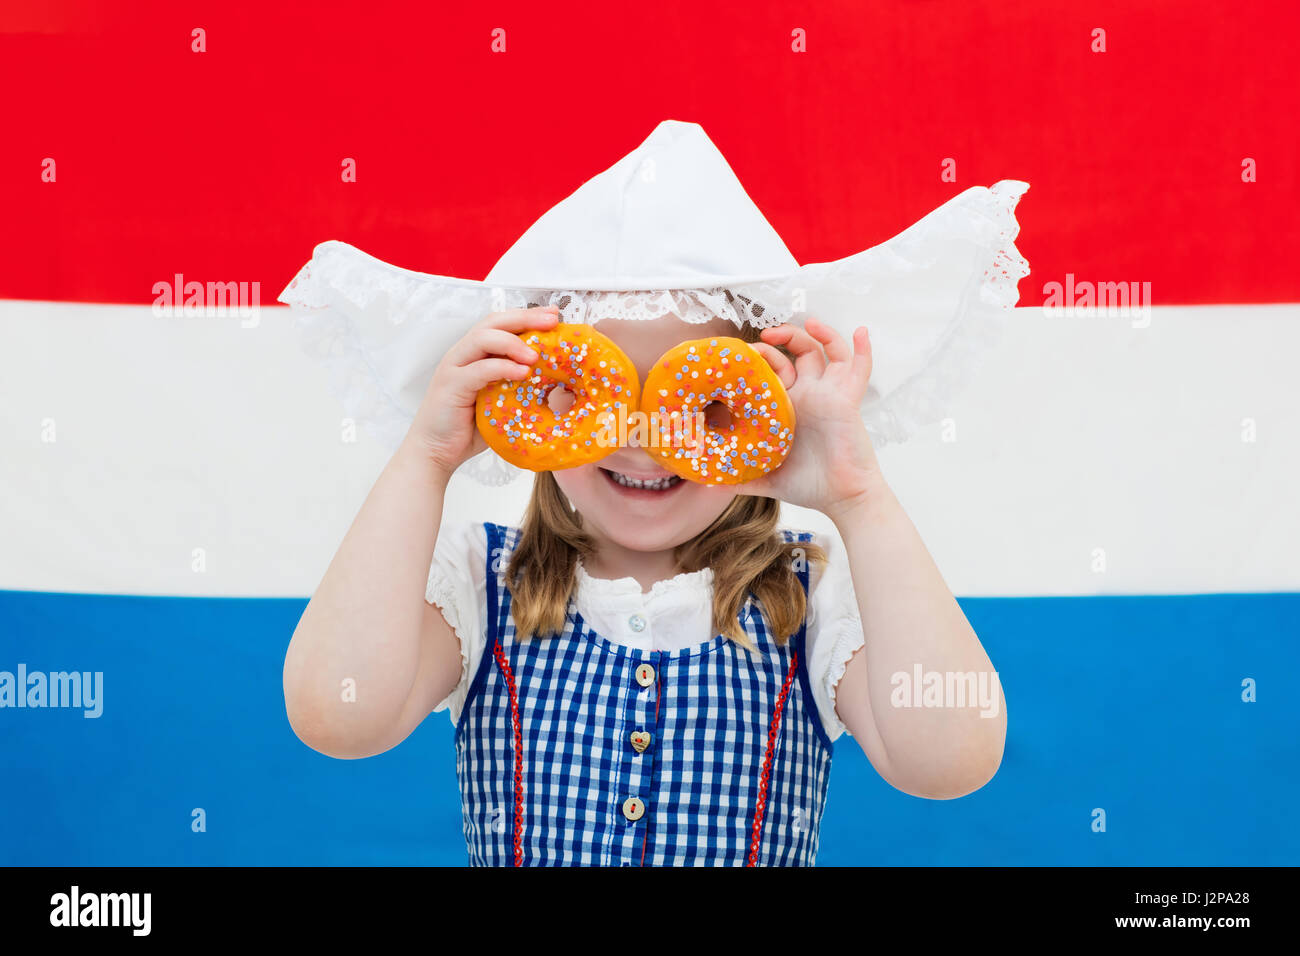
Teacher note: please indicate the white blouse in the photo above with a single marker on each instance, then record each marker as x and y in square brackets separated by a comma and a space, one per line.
[674, 614]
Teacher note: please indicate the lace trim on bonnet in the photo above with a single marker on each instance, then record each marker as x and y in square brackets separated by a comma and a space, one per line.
[380, 330]
[695, 306]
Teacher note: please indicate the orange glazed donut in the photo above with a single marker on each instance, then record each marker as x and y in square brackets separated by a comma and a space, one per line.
[516, 419]
[694, 375]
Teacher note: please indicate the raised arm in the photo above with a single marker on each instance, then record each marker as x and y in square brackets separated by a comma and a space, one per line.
[913, 625]
[910, 619]
[370, 657]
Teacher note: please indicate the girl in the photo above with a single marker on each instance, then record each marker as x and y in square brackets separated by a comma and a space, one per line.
[646, 670]
[642, 741]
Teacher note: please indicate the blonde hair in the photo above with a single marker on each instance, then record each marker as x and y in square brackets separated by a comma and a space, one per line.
[743, 547]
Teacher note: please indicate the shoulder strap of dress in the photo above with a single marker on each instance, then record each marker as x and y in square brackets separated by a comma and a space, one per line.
[495, 552]
[800, 643]
[493, 610]
[800, 561]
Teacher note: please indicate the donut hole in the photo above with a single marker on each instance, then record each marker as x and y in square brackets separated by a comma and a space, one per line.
[560, 399]
[718, 415]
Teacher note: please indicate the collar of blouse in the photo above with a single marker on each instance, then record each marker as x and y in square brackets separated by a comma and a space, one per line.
[675, 613]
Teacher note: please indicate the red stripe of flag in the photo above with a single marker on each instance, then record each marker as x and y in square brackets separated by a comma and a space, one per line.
[225, 165]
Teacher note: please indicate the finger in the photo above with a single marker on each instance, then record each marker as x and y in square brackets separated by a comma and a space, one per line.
[520, 320]
[485, 342]
[807, 352]
[862, 356]
[470, 379]
[836, 348]
[780, 364]
[476, 443]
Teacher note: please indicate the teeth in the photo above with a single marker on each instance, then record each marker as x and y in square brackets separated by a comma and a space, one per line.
[656, 484]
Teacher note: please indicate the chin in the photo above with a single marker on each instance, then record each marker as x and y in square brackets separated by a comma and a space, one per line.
[637, 505]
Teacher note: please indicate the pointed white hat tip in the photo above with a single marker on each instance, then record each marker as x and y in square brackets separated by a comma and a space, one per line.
[671, 130]
[671, 214]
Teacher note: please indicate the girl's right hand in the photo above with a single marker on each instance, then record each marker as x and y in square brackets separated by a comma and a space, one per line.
[444, 429]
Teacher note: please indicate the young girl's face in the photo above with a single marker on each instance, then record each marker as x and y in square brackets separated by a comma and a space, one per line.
[645, 519]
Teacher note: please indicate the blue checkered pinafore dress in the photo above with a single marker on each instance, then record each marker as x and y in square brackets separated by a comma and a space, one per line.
[574, 750]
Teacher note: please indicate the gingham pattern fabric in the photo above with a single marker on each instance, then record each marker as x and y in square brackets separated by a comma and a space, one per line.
[556, 754]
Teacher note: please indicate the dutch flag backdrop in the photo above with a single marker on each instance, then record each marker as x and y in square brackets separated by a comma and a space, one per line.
[1113, 498]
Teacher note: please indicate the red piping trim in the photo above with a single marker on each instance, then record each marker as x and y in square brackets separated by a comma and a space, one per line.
[761, 807]
[519, 754]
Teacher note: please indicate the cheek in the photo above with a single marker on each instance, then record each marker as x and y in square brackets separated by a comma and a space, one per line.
[576, 483]
[703, 503]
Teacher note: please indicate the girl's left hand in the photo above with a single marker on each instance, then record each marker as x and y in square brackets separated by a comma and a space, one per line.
[832, 463]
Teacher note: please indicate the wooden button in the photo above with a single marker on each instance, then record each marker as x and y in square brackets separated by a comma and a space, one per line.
[633, 808]
[645, 675]
[640, 741]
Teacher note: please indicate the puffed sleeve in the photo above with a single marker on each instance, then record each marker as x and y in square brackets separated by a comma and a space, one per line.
[834, 628]
[458, 587]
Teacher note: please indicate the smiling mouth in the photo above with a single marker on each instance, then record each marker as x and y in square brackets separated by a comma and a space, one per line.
[643, 484]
